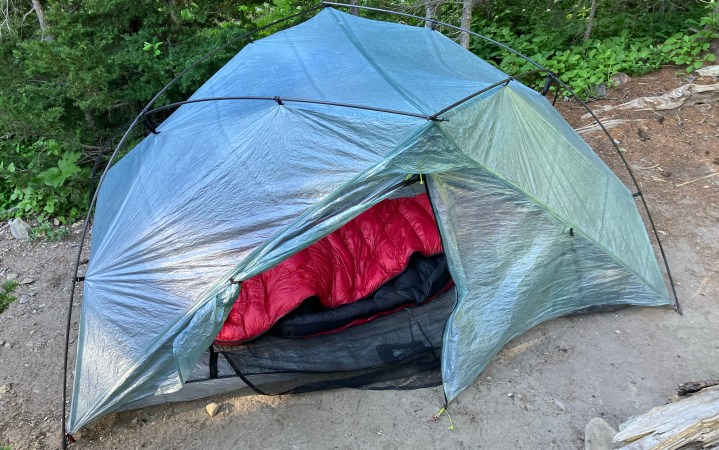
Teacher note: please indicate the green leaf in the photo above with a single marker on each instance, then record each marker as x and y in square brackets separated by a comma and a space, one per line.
[52, 177]
[67, 164]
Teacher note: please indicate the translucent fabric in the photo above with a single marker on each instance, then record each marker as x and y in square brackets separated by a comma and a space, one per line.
[533, 223]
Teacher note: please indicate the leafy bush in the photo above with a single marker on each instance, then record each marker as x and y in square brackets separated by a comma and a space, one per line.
[585, 65]
[6, 296]
[61, 98]
[43, 179]
[47, 232]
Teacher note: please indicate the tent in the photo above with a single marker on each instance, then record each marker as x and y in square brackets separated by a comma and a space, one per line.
[305, 132]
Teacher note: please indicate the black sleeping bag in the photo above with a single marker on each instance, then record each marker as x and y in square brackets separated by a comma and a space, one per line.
[424, 278]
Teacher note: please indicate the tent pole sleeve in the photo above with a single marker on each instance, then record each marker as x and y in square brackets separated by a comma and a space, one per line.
[282, 100]
[483, 90]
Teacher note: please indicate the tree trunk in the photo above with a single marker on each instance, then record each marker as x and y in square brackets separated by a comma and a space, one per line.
[354, 11]
[433, 8]
[590, 22]
[89, 118]
[37, 6]
[714, 44]
[172, 9]
[466, 22]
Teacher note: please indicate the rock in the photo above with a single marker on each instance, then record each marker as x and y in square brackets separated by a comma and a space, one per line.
[620, 78]
[559, 404]
[27, 281]
[11, 276]
[599, 91]
[212, 409]
[5, 388]
[2, 342]
[23, 299]
[55, 222]
[598, 435]
[19, 229]
[709, 71]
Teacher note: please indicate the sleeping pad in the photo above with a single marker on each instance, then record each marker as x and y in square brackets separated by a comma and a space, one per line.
[347, 265]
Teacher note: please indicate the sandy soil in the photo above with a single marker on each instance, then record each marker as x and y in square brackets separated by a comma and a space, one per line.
[538, 393]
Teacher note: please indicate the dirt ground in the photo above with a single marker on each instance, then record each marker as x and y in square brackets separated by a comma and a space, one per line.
[538, 393]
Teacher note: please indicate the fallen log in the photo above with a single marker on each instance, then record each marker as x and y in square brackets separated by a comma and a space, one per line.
[691, 387]
[687, 95]
[692, 422]
[608, 124]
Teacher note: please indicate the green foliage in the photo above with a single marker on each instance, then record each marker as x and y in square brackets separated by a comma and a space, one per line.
[45, 231]
[554, 40]
[153, 48]
[6, 296]
[64, 92]
[61, 99]
[41, 178]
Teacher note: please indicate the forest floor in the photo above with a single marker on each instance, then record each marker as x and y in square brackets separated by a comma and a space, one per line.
[539, 392]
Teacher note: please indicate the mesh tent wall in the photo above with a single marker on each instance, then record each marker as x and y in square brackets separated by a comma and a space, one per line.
[534, 224]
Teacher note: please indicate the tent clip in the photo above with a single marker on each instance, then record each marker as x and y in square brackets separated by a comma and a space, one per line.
[78, 279]
[232, 281]
[637, 194]
[69, 439]
[150, 125]
[547, 84]
[279, 100]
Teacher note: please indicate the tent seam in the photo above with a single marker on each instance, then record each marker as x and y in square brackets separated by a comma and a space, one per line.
[390, 82]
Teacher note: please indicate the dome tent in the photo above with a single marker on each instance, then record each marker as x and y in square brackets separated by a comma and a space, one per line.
[533, 224]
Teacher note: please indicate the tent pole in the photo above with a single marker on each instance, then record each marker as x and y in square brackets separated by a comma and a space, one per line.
[677, 306]
[281, 101]
[483, 90]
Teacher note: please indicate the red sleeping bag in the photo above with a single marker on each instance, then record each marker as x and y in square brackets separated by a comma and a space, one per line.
[341, 268]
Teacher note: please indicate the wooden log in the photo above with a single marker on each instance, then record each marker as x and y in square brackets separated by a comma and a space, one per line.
[692, 421]
[686, 95]
[691, 387]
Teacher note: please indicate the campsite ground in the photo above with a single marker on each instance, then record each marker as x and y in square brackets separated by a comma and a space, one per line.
[539, 392]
